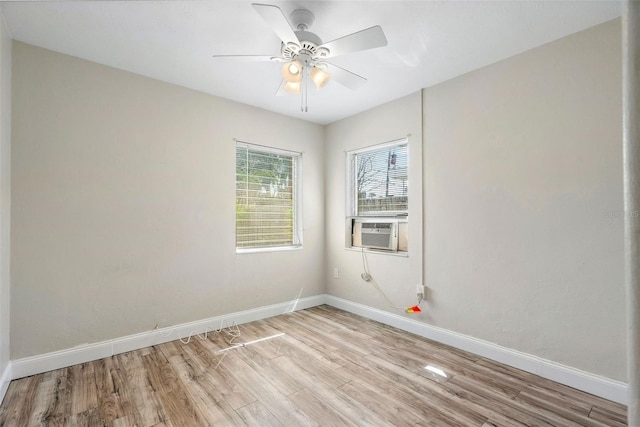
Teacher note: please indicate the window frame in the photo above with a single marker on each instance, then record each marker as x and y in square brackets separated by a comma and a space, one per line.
[296, 175]
[351, 185]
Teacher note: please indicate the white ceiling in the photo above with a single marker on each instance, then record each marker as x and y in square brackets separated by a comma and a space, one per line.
[173, 41]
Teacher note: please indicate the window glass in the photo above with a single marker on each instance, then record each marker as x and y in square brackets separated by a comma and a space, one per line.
[380, 180]
[266, 197]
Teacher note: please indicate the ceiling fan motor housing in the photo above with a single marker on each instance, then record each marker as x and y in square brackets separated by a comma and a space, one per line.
[302, 19]
[310, 44]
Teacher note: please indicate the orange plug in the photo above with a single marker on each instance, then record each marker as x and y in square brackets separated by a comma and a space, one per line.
[414, 309]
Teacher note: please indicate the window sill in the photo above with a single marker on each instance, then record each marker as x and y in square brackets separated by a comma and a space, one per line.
[240, 251]
[377, 251]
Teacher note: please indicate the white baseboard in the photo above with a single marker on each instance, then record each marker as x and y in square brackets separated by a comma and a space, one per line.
[590, 383]
[5, 379]
[599, 386]
[85, 353]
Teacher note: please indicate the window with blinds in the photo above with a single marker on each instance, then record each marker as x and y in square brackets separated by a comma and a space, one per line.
[266, 198]
[380, 180]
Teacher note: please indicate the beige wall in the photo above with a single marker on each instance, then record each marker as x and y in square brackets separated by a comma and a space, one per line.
[396, 275]
[523, 202]
[5, 192]
[123, 205]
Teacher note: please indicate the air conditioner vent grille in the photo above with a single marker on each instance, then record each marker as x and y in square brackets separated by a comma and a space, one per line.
[377, 225]
[378, 235]
[375, 240]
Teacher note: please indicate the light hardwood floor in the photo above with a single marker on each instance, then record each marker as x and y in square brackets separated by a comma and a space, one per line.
[326, 368]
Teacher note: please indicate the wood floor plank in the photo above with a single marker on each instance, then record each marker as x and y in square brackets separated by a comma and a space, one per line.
[319, 410]
[59, 401]
[294, 341]
[259, 355]
[544, 416]
[544, 394]
[109, 403]
[317, 323]
[173, 395]
[424, 387]
[225, 382]
[18, 402]
[89, 418]
[43, 398]
[349, 320]
[388, 384]
[127, 420]
[609, 417]
[332, 396]
[558, 408]
[138, 397]
[205, 394]
[268, 348]
[325, 367]
[498, 412]
[266, 393]
[393, 411]
[321, 368]
[529, 378]
[256, 414]
[181, 409]
[278, 377]
[297, 329]
[84, 394]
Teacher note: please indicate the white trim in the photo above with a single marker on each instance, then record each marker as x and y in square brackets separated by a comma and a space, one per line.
[590, 383]
[240, 251]
[581, 380]
[381, 145]
[85, 353]
[5, 379]
[359, 249]
[267, 148]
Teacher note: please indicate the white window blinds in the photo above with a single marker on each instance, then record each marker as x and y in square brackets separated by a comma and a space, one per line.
[266, 202]
[380, 180]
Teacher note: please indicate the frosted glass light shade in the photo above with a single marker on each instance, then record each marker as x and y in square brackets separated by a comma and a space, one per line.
[319, 77]
[292, 87]
[292, 71]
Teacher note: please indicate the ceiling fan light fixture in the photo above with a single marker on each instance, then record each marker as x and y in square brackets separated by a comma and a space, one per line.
[320, 77]
[292, 71]
[292, 87]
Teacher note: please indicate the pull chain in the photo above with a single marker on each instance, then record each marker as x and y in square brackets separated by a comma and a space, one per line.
[303, 100]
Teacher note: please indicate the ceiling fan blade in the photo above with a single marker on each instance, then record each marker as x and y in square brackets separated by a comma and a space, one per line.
[345, 78]
[277, 21]
[369, 38]
[244, 58]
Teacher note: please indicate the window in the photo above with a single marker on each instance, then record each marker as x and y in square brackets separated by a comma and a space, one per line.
[267, 188]
[379, 180]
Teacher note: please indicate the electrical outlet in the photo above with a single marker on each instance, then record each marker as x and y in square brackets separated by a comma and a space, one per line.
[336, 273]
[420, 290]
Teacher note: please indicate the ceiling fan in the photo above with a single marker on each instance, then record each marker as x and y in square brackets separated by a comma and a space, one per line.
[304, 55]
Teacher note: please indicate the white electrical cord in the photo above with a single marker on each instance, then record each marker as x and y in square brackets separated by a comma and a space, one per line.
[244, 344]
[232, 330]
[188, 339]
[368, 278]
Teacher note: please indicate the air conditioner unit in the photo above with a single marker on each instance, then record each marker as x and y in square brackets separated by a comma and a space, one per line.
[376, 235]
